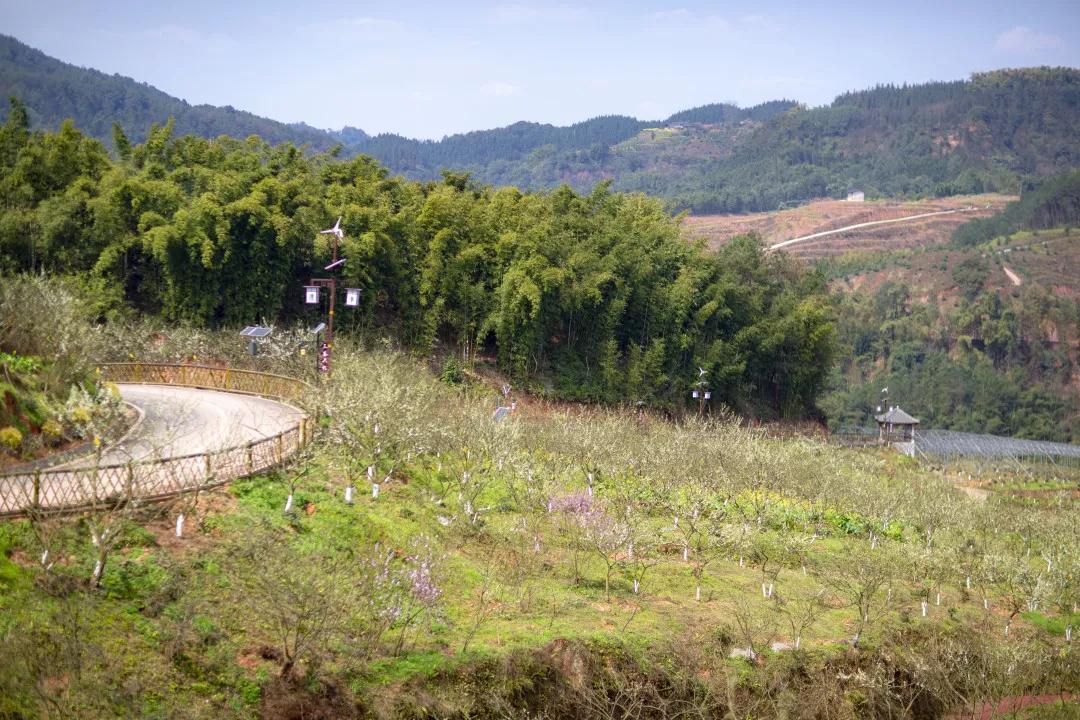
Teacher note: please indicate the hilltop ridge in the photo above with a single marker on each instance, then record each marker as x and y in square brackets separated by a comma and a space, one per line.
[987, 134]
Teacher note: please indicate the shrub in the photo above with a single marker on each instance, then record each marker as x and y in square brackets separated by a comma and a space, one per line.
[452, 371]
[80, 415]
[52, 431]
[10, 439]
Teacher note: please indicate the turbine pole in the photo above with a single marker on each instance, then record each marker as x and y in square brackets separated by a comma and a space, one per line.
[330, 323]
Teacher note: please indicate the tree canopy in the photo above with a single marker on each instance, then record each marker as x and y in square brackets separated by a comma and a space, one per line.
[593, 296]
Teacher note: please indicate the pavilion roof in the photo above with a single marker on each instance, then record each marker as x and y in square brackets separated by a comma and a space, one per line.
[896, 416]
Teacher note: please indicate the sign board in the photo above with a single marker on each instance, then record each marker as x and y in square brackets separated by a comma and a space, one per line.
[352, 297]
[694, 394]
[311, 295]
[324, 357]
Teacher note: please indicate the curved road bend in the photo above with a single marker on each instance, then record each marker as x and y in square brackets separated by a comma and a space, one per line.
[185, 421]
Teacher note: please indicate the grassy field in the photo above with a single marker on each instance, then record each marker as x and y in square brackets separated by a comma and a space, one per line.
[559, 564]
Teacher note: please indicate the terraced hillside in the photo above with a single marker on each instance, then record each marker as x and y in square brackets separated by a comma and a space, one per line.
[828, 215]
[1048, 258]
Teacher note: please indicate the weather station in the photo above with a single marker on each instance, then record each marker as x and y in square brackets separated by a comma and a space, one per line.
[701, 391]
[313, 296]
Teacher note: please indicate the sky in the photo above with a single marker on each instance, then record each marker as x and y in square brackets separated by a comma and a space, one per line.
[426, 70]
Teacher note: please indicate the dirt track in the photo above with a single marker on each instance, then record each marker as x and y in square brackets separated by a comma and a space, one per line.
[837, 226]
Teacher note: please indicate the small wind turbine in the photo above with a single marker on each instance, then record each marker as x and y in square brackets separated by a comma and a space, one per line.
[701, 372]
[336, 230]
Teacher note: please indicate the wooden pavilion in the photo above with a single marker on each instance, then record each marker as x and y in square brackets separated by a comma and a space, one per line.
[896, 426]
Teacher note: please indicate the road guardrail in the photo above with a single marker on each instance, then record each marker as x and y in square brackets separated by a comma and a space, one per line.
[72, 490]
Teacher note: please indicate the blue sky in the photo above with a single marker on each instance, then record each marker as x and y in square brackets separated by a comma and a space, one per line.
[425, 70]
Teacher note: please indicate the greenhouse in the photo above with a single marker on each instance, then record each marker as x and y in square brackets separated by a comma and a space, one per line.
[950, 444]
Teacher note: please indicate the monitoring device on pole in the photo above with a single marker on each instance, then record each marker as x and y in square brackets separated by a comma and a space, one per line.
[318, 329]
[311, 295]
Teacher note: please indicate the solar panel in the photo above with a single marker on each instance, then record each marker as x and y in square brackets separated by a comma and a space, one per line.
[255, 331]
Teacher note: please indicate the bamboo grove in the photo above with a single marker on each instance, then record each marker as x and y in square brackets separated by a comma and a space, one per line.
[588, 296]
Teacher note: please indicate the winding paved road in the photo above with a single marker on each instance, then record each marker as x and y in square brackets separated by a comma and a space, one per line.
[184, 438]
[180, 421]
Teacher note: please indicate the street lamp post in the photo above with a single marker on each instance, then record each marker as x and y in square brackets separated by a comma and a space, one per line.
[312, 297]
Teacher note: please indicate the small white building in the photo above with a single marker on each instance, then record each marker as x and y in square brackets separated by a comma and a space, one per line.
[856, 196]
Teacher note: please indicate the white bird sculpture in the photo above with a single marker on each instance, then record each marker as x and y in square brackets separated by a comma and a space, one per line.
[336, 230]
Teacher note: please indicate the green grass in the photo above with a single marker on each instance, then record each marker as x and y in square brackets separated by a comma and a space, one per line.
[1053, 625]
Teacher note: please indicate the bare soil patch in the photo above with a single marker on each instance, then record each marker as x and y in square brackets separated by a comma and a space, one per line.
[1018, 703]
[823, 215]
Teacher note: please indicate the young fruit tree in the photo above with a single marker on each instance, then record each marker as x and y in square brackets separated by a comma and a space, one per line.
[860, 578]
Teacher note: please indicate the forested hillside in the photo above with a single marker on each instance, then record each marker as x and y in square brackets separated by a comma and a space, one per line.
[1054, 203]
[940, 138]
[54, 91]
[991, 133]
[982, 335]
[591, 297]
[999, 362]
[982, 135]
[536, 155]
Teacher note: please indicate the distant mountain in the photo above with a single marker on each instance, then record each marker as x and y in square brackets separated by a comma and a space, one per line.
[992, 133]
[54, 91]
[988, 134]
[509, 155]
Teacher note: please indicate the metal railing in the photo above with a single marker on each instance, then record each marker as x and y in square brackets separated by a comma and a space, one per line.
[248, 382]
[78, 489]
